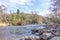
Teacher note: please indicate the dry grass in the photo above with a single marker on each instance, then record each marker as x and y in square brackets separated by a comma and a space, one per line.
[4, 24]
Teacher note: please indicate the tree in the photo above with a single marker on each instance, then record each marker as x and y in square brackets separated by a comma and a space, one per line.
[55, 10]
[2, 9]
[2, 15]
[18, 11]
[34, 18]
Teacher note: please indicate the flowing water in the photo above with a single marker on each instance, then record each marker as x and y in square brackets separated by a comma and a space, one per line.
[17, 32]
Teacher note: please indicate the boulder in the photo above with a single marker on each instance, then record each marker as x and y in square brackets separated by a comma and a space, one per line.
[55, 38]
[32, 37]
[34, 31]
[56, 32]
[46, 36]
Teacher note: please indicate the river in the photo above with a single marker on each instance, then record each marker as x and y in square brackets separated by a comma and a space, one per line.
[18, 32]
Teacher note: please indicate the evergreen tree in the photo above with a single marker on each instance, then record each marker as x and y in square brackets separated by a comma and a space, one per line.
[18, 11]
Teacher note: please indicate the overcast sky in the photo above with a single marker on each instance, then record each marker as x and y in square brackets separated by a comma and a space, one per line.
[41, 6]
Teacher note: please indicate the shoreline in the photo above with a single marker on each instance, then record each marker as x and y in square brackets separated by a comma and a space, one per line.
[4, 24]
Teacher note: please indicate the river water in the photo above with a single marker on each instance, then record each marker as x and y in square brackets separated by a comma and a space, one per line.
[18, 32]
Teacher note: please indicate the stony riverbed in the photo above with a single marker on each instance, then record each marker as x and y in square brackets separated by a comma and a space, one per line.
[30, 32]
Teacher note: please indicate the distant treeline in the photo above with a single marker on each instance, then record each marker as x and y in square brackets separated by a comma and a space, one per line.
[21, 18]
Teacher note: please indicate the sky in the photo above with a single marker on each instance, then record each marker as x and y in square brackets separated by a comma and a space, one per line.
[40, 6]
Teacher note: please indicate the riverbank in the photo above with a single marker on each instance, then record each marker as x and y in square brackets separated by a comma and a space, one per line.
[4, 24]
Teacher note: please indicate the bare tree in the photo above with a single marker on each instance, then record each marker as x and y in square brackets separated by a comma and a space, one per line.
[2, 15]
[2, 9]
[55, 10]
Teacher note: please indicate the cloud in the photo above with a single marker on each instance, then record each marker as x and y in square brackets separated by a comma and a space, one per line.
[2, 3]
[16, 2]
[45, 3]
[27, 5]
[44, 13]
[21, 2]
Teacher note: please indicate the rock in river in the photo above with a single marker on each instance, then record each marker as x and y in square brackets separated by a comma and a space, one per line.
[55, 38]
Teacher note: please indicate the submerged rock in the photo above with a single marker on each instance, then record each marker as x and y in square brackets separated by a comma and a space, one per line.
[32, 38]
[34, 31]
[55, 38]
[46, 36]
